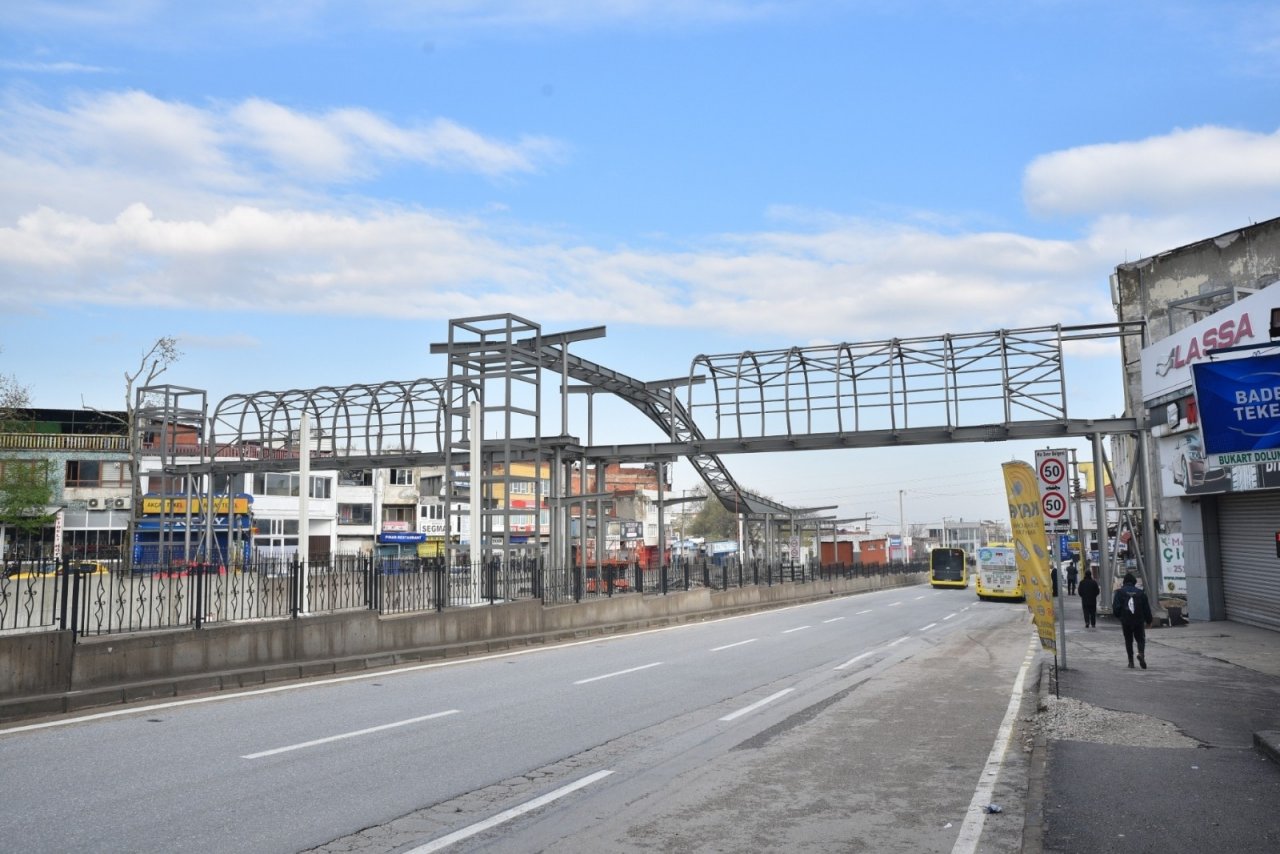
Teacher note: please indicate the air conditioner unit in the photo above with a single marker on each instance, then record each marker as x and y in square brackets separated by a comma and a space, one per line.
[121, 503]
[95, 503]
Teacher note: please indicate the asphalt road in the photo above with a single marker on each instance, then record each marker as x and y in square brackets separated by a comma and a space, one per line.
[868, 719]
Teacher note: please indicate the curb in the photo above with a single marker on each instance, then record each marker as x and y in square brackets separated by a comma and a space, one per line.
[1033, 820]
[1267, 742]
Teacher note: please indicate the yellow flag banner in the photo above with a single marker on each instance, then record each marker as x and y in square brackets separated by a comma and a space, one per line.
[1031, 547]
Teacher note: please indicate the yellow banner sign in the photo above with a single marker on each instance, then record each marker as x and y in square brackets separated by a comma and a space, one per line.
[178, 506]
[1031, 547]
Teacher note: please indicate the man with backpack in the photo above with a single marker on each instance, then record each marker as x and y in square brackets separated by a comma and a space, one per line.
[1130, 605]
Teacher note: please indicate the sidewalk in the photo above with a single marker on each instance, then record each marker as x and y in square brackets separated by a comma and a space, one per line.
[1183, 756]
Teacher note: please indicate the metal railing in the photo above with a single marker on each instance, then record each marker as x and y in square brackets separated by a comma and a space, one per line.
[102, 597]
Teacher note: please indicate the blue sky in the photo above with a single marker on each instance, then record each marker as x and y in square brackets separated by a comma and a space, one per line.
[305, 193]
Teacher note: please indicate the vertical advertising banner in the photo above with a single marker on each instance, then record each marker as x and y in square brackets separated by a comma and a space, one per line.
[1173, 567]
[1031, 547]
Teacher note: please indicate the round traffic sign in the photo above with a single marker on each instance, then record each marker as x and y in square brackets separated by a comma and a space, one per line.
[1053, 505]
[1052, 470]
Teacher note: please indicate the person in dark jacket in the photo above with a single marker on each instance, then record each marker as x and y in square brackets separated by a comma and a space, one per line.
[1072, 575]
[1089, 591]
[1131, 606]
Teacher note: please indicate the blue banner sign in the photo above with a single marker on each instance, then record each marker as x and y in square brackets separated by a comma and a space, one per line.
[401, 537]
[1239, 404]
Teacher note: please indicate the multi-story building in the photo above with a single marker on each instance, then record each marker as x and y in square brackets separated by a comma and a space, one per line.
[1215, 524]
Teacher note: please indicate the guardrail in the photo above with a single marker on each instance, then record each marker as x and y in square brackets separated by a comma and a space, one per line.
[100, 597]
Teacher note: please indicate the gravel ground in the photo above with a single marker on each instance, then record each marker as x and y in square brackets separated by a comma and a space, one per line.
[1072, 720]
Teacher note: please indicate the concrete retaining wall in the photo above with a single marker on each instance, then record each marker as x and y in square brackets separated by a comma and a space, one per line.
[55, 674]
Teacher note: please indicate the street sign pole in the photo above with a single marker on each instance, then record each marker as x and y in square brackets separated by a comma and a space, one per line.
[1051, 470]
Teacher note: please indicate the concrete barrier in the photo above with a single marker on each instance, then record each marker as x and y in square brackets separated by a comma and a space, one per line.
[50, 671]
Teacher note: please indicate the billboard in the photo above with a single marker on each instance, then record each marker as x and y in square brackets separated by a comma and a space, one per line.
[1239, 405]
[1031, 547]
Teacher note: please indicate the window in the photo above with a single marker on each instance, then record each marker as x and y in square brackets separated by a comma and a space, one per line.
[22, 470]
[166, 484]
[432, 511]
[228, 483]
[355, 514]
[287, 485]
[401, 477]
[355, 477]
[398, 513]
[97, 473]
[431, 485]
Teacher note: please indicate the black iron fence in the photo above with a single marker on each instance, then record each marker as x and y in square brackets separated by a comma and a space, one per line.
[97, 597]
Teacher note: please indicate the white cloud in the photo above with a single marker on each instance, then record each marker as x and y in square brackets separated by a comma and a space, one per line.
[1202, 167]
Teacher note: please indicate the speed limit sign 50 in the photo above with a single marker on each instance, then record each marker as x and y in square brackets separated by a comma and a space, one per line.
[1053, 505]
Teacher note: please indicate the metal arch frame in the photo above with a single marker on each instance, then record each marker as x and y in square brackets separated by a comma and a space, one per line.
[352, 419]
[895, 384]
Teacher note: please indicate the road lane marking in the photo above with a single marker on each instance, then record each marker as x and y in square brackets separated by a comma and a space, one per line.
[894, 604]
[380, 673]
[860, 613]
[732, 645]
[796, 629]
[918, 598]
[507, 815]
[856, 659]
[971, 830]
[617, 673]
[751, 708]
[341, 736]
[833, 620]
[926, 628]
[900, 640]
[948, 617]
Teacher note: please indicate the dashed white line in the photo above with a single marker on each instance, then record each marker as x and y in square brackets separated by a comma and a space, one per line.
[860, 613]
[341, 736]
[855, 659]
[918, 598]
[948, 617]
[507, 815]
[894, 604]
[833, 620]
[617, 673]
[751, 708]
[926, 628]
[900, 640]
[796, 629]
[732, 645]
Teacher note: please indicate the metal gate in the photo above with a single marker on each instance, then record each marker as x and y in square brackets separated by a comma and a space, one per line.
[1248, 523]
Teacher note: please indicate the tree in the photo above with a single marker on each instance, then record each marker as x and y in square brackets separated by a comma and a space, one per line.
[25, 493]
[13, 397]
[713, 521]
[154, 362]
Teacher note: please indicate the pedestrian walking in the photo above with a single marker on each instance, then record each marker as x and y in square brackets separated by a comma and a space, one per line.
[1131, 606]
[1072, 575]
[1089, 592]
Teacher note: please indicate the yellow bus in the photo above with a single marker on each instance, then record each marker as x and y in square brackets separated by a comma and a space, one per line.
[947, 568]
[997, 575]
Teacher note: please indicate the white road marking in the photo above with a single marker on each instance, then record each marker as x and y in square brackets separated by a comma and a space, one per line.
[341, 736]
[860, 613]
[732, 645]
[926, 628]
[918, 598]
[382, 673]
[900, 640]
[507, 815]
[617, 673]
[948, 617]
[856, 659]
[894, 604]
[971, 830]
[796, 629]
[833, 620]
[751, 708]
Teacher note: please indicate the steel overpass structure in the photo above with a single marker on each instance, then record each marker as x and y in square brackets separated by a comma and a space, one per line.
[490, 414]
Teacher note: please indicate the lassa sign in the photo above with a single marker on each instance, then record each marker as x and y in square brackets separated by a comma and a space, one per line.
[1228, 334]
[1166, 364]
